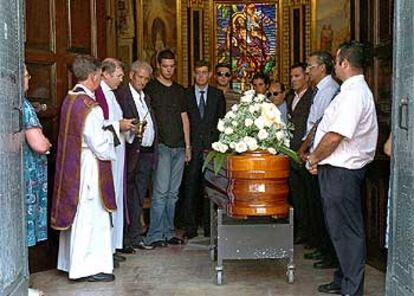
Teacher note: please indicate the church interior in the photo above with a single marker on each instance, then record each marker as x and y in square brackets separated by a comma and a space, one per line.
[57, 30]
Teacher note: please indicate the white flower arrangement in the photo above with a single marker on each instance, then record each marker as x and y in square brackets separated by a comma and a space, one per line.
[252, 125]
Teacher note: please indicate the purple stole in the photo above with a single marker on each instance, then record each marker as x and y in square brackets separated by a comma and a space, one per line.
[101, 99]
[66, 189]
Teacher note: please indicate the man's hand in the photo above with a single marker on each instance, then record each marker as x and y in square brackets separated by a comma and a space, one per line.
[311, 165]
[126, 125]
[187, 154]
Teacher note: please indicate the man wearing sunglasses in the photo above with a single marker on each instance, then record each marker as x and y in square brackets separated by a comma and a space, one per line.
[223, 83]
[277, 94]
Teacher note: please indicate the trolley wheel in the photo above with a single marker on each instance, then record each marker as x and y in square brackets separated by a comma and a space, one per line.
[219, 277]
[290, 276]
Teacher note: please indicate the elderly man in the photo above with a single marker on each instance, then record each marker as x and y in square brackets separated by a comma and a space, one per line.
[345, 142]
[84, 195]
[320, 67]
[112, 75]
[140, 152]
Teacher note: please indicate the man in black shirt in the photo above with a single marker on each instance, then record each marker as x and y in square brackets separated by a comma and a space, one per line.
[170, 109]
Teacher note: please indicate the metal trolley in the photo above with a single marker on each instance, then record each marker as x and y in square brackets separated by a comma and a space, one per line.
[250, 238]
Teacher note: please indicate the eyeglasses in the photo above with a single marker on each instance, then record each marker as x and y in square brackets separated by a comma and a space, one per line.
[310, 67]
[221, 74]
[273, 94]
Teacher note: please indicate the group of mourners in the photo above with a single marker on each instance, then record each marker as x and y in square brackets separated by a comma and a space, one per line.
[117, 143]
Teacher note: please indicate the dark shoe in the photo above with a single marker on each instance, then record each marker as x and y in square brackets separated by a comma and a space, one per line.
[325, 264]
[175, 241]
[330, 288]
[315, 255]
[119, 258]
[158, 244]
[127, 250]
[101, 277]
[189, 235]
[142, 246]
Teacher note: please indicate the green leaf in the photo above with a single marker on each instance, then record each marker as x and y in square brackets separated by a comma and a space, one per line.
[209, 157]
[218, 162]
[289, 152]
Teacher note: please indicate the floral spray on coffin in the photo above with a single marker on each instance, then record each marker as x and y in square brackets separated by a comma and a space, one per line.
[253, 144]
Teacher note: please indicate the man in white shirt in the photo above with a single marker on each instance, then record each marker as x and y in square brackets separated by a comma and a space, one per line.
[345, 143]
[140, 152]
[320, 67]
[112, 75]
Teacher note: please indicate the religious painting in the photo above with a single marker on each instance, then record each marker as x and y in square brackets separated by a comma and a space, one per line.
[333, 24]
[159, 27]
[246, 37]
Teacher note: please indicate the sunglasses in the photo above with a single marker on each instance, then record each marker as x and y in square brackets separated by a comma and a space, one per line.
[273, 94]
[226, 74]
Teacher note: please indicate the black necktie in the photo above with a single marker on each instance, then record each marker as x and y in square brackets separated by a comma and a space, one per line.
[314, 92]
[202, 103]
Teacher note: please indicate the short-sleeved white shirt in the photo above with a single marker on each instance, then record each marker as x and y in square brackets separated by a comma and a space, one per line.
[352, 115]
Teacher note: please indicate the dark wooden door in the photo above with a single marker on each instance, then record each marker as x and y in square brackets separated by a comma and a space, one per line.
[57, 30]
[376, 29]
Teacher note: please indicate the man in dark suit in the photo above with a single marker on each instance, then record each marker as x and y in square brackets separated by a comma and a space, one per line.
[140, 153]
[205, 105]
[299, 103]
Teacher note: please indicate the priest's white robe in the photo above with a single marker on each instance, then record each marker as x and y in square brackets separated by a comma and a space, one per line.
[85, 248]
[115, 115]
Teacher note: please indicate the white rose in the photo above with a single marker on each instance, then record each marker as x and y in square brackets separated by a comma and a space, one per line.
[235, 107]
[254, 108]
[259, 122]
[272, 151]
[251, 143]
[228, 131]
[263, 134]
[246, 99]
[220, 125]
[232, 145]
[230, 115]
[250, 92]
[240, 147]
[280, 135]
[223, 148]
[234, 123]
[216, 146]
[270, 112]
[286, 142]
[248, 122]
[260, 98]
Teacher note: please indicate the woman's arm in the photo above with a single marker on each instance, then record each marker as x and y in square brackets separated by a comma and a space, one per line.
[37, 141]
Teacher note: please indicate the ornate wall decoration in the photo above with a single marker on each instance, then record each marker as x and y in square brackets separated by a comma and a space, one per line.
[333, 25]
[159, 26]
[247, 37]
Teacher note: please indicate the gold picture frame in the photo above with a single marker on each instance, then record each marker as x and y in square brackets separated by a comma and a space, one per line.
[154, 19]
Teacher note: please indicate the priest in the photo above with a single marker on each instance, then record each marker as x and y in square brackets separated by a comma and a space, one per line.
[83, 193]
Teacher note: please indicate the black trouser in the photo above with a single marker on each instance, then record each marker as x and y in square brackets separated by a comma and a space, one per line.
[341, 198]
[320, 238]
[196, 206]
[299, 186]
[137, 185]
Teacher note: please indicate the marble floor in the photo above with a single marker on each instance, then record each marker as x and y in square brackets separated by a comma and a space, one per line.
[187, 270]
